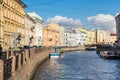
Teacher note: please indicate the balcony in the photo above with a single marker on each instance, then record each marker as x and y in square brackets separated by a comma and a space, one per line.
[50, 39]
[32, 28]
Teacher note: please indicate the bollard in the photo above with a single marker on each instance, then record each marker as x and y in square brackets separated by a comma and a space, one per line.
[13, 65]
[1, 70]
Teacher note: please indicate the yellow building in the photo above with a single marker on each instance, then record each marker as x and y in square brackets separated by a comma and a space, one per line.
[49, 37]
[53, 35]
[105, 37]
[102, 36]
[61, 34]
[113, 38]
[12, 20]
[91, 37]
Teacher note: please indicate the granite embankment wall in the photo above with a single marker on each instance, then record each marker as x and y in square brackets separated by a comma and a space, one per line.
[23, 65]
[74, 48]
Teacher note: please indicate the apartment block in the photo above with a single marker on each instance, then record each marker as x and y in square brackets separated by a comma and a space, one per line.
[117, 18]
[30, 31]
[102, 36]
[12, 21]
[38, 28]
[91, 35]
[53, 35]
[49, 37]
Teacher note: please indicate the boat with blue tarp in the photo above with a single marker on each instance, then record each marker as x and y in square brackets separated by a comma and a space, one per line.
[54, 55]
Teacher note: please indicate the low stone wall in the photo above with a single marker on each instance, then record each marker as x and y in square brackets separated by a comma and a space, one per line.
[27, 70]
[23, 65]
[1, 70]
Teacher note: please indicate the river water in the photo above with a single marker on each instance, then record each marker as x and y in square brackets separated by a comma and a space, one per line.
[78, 65]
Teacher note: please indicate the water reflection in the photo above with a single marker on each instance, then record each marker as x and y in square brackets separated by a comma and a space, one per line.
[82, 65]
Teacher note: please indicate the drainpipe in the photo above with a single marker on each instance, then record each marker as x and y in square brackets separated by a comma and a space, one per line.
[1, 22]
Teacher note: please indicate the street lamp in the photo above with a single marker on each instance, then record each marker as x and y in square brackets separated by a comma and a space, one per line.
[17, 39]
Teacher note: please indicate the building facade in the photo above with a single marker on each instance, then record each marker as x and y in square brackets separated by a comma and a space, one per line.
[117, 18]
[49, 37]
[38, 28]
[12, 21]
[61, 36]
[30, 32]
[70, 37]
[80, 37]
[84, 36]
[59, 32]
[113, 38]
[102, 36]
[91, 37]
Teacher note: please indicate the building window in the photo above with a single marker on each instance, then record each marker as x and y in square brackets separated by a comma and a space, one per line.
[10, 4]
[13, 5]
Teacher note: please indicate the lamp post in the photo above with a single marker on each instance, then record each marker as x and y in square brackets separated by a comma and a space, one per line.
[15, 35]
[17, 39]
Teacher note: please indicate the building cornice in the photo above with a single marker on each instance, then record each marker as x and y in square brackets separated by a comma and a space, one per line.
[30, 18]
[21, 3]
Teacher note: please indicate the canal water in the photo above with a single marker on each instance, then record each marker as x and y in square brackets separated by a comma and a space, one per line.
[78, 65]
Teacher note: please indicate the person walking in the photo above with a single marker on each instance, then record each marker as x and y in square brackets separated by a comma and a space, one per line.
[0, 48]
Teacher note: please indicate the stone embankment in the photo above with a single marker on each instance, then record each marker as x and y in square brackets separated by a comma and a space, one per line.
[23, 65]
[65, 49]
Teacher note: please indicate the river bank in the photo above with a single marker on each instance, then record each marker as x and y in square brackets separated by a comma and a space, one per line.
[23, 65]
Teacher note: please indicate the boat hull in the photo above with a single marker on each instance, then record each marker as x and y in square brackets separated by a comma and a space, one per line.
[90, 49]
[54, 55]
[109, 55]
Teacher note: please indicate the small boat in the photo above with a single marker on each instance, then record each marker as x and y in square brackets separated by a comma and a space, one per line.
[91, 49]
[54, 55]
[109, 55]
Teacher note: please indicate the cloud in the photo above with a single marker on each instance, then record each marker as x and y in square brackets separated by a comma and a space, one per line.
[103, 21]
[64, 21]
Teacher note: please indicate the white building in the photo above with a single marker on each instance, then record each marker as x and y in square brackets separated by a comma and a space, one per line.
[74, 37]
[70, 37]
[80, 37]
[30, 32]
[39, 27]
[83, 38]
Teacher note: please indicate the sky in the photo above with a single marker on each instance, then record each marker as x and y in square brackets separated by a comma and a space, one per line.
[93, 14]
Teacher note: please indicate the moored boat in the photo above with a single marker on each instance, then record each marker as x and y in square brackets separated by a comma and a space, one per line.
[109, 55]
[90, 48]
[54, 55]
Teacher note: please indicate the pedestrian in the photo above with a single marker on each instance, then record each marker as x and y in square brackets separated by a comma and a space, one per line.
[9, 51]
[114, 45]
[0, 48]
